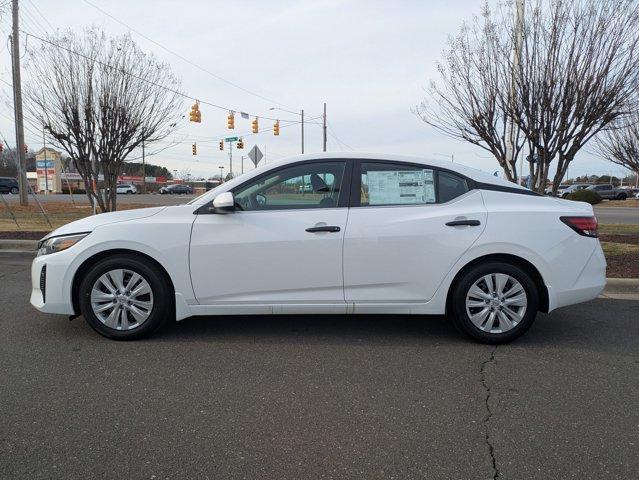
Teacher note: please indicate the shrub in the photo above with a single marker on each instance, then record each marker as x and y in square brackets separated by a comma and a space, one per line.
[585, 195]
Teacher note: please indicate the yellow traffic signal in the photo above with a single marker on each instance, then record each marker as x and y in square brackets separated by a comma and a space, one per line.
[221, 144]
[255, 126]
[276, 128]
[194, 149]
[240, 144]
[230, 121]
[195, 115]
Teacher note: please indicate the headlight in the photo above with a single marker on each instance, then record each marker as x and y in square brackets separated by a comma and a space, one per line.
[57, 244]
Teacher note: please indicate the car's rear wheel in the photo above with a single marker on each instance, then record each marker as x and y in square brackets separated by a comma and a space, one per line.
[494, 302]
[622, 196]
[125, 297]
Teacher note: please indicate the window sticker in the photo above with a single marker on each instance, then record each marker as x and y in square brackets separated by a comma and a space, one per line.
[401, 187]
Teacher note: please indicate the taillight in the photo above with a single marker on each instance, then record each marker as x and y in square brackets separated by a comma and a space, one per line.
[586, 226]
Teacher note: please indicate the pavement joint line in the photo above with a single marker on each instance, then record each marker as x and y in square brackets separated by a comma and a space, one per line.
[489, 413]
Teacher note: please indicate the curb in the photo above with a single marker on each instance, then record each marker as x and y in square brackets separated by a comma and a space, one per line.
[621, 289]
[18, 245]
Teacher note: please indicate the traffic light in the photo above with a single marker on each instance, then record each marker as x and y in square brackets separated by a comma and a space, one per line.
[26, 148]
[240, 144]
[194, 148]
[230, 121]
[255, 126]
[221, 144]
[276, 128]
[195, 115]
[1, 147]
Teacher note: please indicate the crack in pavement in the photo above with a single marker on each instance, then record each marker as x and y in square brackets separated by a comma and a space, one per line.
[489, 413]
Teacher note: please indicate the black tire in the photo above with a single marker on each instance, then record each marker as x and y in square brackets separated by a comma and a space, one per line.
[459, 314]
[622, 196]
[14, 190]
[163, 299]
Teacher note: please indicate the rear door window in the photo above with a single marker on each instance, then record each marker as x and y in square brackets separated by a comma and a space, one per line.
[393, 183]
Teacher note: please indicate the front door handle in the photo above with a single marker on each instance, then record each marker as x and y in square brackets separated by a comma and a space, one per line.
[469, 223]
[323, 228]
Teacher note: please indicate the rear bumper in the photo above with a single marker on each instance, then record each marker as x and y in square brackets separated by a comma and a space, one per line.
[588, 285]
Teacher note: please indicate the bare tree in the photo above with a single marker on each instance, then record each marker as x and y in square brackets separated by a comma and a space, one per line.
[470, 101]
[98, 99]
[620, 145]
[576, 72]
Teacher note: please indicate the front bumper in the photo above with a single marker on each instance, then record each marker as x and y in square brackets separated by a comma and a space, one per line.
[51, 291]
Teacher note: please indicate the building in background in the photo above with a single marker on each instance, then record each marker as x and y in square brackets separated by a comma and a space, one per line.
[48, 169]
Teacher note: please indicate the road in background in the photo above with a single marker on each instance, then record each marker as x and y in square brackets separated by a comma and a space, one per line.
[608, 215]
[316, 397]
[81, 199]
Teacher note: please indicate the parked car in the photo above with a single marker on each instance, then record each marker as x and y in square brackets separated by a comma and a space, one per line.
[9, 185]
[560, 189]
[383, 234]
[126, 188]
[575, 187]
[176, 188]
[610, 192]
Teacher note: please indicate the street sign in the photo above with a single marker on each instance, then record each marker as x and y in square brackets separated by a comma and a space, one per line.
[230, 139]
[255, 155]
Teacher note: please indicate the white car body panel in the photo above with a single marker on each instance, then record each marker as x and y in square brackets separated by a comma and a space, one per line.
[396, 259]
[268, 258]
[402, 253]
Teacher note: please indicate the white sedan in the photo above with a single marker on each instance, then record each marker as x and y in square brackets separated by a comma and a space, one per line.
[377, 234]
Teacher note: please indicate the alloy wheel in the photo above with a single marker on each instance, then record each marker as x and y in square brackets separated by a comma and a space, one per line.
[496, 303]
[122, 299]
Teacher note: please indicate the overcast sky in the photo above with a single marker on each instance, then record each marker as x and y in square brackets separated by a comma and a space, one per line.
[368, 60]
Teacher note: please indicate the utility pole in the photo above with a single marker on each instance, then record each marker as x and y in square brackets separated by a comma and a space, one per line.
[324, 126]
[510, 138]
[221, 174]
[302, 130]
[17, 102]
[231, 159]
[242, 163]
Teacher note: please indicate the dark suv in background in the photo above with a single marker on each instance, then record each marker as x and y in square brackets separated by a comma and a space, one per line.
[9, 185]
[176, 188]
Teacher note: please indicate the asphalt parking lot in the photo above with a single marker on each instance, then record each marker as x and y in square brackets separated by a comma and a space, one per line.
[317, 397]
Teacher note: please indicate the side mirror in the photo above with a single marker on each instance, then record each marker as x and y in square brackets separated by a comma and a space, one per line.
[224, 203]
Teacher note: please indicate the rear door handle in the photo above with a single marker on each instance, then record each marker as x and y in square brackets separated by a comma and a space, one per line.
[457, 223]
[323, 228]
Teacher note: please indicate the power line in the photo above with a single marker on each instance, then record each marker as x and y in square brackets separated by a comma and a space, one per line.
[334, 135]
[222, 79]
[40, 13]
[176, 92]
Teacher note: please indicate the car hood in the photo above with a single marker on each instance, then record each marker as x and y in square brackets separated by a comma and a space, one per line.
[88, 224]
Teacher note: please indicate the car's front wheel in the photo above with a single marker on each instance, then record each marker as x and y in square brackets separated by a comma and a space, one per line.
[14, 190]
[125, 297]
[494, 302]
